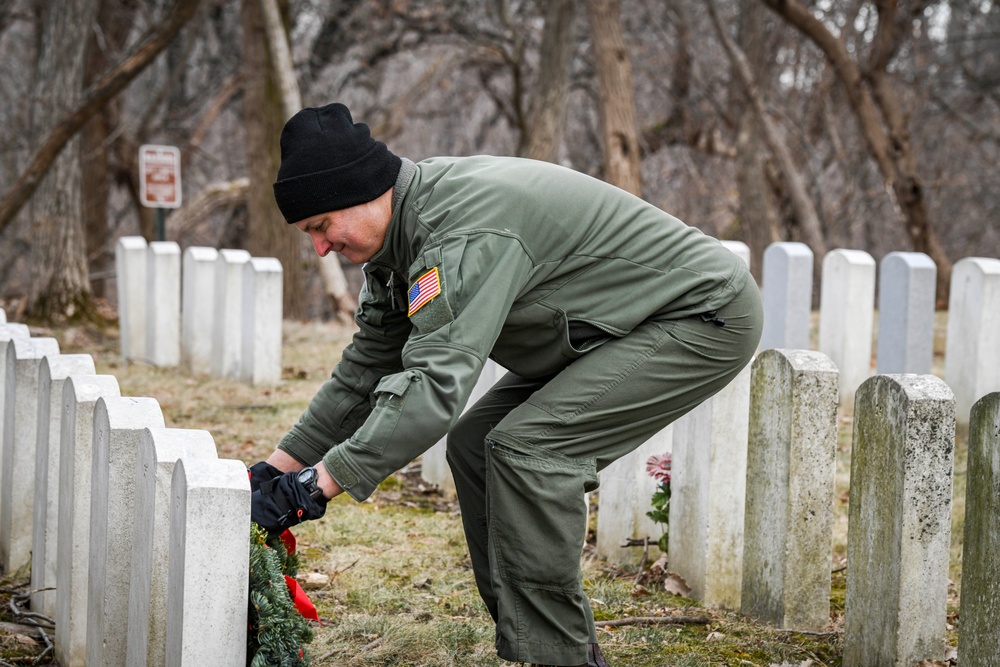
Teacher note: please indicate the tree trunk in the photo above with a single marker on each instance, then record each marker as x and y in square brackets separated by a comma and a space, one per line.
[279, 73]
[617, 106]
[115, 19]
[880, 119]
[547, 120]
[802, 204]
[60, 286]
[267, 233]
[758, 223]
[94, 99]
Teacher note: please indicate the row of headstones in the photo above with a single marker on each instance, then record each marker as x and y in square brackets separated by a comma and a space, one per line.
[142, 531]
[906, 303]
[751, 510]
[217, 311]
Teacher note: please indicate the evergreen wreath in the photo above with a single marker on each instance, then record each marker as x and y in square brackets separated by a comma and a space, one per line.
[277, 632]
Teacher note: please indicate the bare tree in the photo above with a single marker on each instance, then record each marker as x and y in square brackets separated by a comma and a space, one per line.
[59, 286]
[92, 101]
[617, 105]
[547, 120]
[882, 121]
[805, 210]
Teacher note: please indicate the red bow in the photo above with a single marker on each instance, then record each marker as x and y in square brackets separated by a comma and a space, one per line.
[299, 597]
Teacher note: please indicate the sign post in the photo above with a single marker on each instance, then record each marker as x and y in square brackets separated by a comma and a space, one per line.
[160, 182]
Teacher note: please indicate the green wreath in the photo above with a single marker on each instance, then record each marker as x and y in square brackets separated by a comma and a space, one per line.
[278, 633]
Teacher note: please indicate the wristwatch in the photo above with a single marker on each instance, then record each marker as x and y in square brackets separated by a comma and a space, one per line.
[308, 478]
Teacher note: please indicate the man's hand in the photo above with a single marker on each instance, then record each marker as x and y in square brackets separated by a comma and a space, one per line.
[260, 473]
[285, 501]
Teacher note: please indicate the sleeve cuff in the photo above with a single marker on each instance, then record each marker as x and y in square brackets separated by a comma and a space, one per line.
[350, 478]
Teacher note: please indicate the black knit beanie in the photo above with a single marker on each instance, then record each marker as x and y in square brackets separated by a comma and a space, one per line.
[329, 162]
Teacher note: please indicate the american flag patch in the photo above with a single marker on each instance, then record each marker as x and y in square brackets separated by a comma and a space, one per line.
[426, 288]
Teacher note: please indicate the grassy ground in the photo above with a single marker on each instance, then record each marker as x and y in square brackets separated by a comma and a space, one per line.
[400, 590]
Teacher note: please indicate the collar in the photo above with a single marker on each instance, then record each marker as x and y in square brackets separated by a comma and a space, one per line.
[398, 252]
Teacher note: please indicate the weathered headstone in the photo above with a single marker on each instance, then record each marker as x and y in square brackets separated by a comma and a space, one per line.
[209, 541]
[899, 523]
[625, 496]
[130, 270]
[847, 316]
[163, 303]
[787, 293]
[791, 464]
[118, 427]
[198, 307]
[159, 449]
[227, 331]
[80, 394]
[978, 638]
[260, 359]
[906, 313]
[21, 426]
[434, 467]
[708, 494]
[52, 374]
[972, 351]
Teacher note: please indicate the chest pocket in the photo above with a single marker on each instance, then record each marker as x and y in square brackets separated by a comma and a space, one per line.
[427, 299]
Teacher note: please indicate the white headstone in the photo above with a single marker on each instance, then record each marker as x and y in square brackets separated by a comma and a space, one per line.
[227, 331]
[118, 427]
[209, 541]
[159, 449]
[738, 248]
[847, 316]
[80, 394]
[972, 351]
[626, 490]
[52, 374]
[708, 493]
[163, 304]
[787, 292]
[130, 270]
[906, 313]
[899, 524]
[788, 532]
[260, 359]
[21, 425]
[7, 333]
[198, 307]
[3, 316]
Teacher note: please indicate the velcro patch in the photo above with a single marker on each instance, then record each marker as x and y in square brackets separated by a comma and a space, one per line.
[426, 288]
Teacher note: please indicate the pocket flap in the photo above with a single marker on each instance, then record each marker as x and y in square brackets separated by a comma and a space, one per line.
[395, 384]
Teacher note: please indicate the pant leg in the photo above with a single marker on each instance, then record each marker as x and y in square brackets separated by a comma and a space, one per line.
[544, 454]
[466, 455]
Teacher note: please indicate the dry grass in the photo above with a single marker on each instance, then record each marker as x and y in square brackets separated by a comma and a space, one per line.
[401, 590]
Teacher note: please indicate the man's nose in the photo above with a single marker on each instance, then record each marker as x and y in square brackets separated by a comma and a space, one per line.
[321, 245]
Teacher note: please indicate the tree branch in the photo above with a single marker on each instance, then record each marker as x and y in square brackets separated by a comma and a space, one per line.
[94, 99]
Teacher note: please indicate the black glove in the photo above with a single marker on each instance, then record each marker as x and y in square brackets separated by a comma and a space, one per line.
[284, 501]
[260, 473]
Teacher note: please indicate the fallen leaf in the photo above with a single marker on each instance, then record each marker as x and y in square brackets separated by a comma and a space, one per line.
[314, 580]
[714, 636]
[676, 585]
[25, 639]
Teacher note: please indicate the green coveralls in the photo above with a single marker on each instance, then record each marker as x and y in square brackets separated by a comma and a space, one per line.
[613, 318]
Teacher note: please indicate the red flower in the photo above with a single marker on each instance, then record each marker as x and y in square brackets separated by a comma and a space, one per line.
[658, 468]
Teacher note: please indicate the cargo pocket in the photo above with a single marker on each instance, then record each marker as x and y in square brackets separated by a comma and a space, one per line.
[389, 396]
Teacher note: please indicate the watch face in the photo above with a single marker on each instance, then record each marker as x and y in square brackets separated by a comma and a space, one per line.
[307, 476]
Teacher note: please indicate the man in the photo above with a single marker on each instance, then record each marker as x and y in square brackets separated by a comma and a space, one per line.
[613, 318]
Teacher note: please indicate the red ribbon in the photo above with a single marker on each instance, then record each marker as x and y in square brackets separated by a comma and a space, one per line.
[301, 600]
[289, 541]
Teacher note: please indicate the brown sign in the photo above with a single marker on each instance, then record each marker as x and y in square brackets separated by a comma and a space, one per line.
[160, 176]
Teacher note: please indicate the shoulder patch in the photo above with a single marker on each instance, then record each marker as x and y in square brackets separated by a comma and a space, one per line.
[423, 291]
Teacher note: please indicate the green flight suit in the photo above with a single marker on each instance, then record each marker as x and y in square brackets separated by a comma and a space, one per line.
[613, 318]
